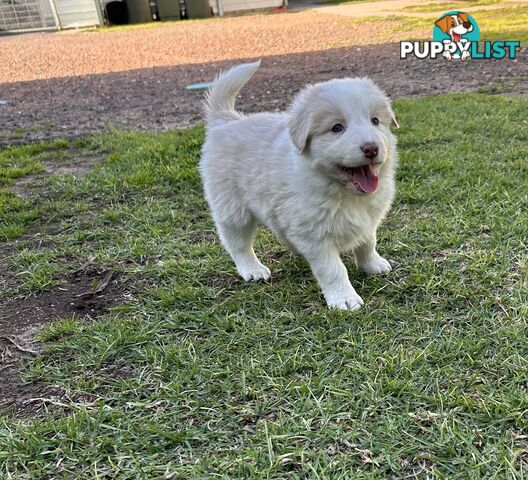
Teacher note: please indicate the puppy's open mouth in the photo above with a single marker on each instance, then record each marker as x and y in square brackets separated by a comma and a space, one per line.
[364, 178]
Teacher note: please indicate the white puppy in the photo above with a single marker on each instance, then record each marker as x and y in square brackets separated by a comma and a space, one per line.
[320, 176]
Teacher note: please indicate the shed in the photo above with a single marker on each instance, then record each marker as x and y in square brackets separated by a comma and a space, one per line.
[77, 13]
[231, 6]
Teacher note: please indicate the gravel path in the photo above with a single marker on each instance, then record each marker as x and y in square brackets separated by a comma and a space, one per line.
[154, 97]
[70, 53]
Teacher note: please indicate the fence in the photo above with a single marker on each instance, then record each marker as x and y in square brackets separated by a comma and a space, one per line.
[25, 15]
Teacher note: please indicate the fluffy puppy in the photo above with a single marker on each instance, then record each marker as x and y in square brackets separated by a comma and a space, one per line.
[320, 176]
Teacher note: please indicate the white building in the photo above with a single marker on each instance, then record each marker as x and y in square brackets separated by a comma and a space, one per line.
[27, 15]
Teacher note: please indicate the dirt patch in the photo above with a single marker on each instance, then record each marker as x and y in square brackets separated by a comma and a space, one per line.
[78, 164]
[86, 294]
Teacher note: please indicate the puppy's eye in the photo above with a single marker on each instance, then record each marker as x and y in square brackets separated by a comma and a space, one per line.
[375, 120]
[338, 128]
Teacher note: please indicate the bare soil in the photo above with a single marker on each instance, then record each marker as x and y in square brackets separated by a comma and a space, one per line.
[77, 163]
[22, 318]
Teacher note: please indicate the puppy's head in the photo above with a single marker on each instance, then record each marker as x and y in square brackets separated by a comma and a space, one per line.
[455, 25]
[343, 128]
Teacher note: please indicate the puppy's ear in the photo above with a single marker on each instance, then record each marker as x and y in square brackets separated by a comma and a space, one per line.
[394, 123]
[300, 131]
[444, 23]
[300, 120]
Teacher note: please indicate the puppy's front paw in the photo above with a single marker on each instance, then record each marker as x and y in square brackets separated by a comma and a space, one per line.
[254, 272]
[350, 302]
[375, 264]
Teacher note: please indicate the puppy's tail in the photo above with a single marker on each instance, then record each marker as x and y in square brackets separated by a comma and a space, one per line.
[220, 100]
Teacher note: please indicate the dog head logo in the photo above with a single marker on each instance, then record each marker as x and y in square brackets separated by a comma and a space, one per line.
[455, 25]
[458, 28]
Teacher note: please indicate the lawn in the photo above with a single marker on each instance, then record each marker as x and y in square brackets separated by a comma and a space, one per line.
[457, 5]
[226, 379]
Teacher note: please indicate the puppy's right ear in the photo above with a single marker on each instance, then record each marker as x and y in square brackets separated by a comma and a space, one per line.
[300, 131]
[300, 121]
[444, 23]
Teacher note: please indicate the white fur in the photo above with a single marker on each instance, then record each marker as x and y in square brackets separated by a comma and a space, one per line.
[281, 170]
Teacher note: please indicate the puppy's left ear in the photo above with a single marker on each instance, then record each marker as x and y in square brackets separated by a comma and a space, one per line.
[394, 122]
[300, 121]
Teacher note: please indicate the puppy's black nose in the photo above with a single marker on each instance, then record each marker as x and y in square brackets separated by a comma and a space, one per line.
[466, 24]
[370, 149]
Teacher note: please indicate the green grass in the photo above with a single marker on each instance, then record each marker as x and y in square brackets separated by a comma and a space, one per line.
[15, 212]
[233, 380]
[142, 26]
[448, 6]
[340, 2]
[503, 24]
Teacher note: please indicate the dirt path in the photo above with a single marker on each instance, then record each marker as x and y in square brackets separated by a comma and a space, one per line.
[68, 54]
[156, 98]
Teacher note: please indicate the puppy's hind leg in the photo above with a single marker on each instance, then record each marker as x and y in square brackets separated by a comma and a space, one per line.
[238, 238]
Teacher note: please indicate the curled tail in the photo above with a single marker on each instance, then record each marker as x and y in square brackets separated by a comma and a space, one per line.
[220, 100]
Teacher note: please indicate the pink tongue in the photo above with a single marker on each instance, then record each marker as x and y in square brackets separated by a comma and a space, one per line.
[366, 178]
